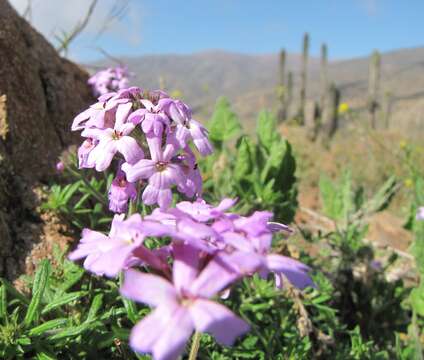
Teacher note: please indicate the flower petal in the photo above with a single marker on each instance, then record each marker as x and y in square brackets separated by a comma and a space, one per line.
[147, 288]
[216, 319]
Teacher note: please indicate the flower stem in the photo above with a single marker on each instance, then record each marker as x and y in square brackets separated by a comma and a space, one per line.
[195, 344]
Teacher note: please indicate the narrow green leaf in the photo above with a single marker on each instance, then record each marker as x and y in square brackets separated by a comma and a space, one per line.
[95, 307]
[75, 330]
[48, 325]
[3, 302]
[63, 300]
[40, 282]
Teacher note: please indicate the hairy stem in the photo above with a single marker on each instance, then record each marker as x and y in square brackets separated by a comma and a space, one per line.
[195, 344]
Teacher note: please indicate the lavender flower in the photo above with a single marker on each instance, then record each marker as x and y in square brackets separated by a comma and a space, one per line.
[111, 79]
[112, 141]
[120, 192]
[181, 306]
[186, 128]
[160, 170]
[60, 167]
[107, 255]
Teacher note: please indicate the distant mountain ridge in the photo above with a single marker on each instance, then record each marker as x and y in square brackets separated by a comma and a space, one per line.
[249, 81]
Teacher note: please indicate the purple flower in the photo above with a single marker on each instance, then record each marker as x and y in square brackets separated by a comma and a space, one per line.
[60, 167]
[201, 211]
[152, 119]
[108, 255]
[84, 151]
[160, 171]
[186, 128]
[420, 213]
[252, 236]
[111, 79]
[112, 141]
[181, 306]
[120, 192]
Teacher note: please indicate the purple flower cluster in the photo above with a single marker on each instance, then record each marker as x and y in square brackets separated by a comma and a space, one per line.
[151, 134]
[204, 249]
[110, 79]
[209, 249]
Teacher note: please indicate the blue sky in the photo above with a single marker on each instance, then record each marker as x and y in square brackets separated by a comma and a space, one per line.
[349, 27]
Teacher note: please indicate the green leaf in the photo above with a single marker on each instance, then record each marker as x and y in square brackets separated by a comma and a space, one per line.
[267, 129]
[15, 293]
[40, 282]
[3, 302]
[224, 124]
[243, 164]
[63, 300]
[48, 325]
[75, 330]
[95, 307]
[417, 300]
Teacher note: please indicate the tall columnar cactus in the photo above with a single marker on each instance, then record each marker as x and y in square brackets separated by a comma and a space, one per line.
[303, 79]
[323, 74]
[387, 108]
[373, 87]
[330, 119]
[289, 93]
[282, 90]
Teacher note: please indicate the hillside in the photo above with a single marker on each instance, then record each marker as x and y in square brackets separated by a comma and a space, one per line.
[249, 80]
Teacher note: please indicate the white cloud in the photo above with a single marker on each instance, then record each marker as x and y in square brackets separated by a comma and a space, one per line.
[51, 17]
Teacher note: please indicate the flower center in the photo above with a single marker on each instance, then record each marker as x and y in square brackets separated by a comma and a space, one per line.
[116, 135]
[161, 165]
[122, 183]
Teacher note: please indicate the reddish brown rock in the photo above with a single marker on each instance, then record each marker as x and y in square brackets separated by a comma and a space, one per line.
[40, 93]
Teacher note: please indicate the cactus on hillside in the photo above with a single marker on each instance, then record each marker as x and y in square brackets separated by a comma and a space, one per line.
[289, 94]
[330, 116]
[282, 90]
[387, 106]
[373, 87]
[303, 79]
[323, 74]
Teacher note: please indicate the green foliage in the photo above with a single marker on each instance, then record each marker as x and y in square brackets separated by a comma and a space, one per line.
[341, 201]
[259, 172]
[224, 124]
[68, 316]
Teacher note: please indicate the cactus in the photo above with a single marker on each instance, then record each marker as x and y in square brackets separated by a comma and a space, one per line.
[289, 93]
[282, 113]
[312, 120]
[323, 75]
[387, 108]
[330, 119]
[303, 78]
[373, 87]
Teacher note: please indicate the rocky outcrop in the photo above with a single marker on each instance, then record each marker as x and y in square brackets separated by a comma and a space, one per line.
[40, 93]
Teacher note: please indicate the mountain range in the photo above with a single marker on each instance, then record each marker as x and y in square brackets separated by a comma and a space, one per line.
[250, 81]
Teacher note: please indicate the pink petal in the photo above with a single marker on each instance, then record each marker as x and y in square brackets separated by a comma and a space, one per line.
[129, 148]
[147, 288]
[164, 333]
[186, 264]
[143, 169]
[150, 195]
[122, 114]
[217, 320]
[164, 198]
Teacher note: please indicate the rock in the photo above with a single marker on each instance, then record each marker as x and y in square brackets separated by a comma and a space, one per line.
[40, 93]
